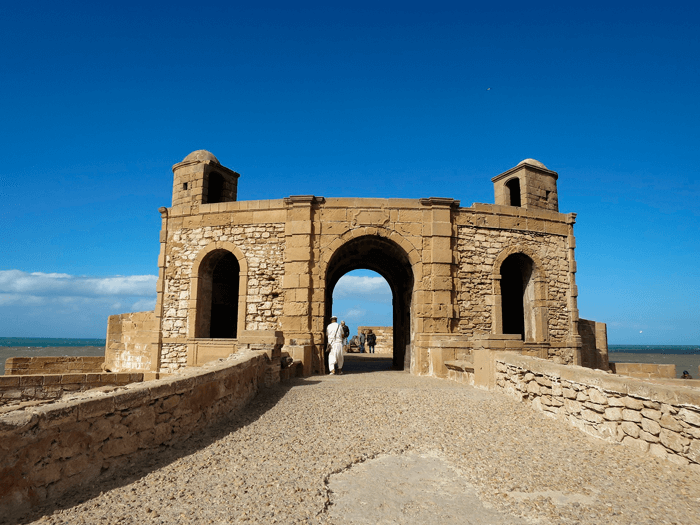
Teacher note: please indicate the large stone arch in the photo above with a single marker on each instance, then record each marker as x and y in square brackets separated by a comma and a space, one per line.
[535, 311]
[195, 283]
[386, 253]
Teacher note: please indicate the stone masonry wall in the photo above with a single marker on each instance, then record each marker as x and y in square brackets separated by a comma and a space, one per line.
[48, 387]
[53, 365]
[130, 339]
[263, 248]
[47, 450]
[478, 249]
[658, 419]
[385, 338]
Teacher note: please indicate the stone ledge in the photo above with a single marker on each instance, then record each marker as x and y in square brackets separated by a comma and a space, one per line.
[460, 365]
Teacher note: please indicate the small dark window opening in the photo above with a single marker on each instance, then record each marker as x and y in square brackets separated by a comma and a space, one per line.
[546, 195]
[513, 186]
[515, 275]
[224, 297]
[184, 185]
[215, 192]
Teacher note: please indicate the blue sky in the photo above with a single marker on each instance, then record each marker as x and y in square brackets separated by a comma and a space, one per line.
[364, 99]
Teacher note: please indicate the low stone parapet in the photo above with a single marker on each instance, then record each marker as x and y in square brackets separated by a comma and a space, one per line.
[53, 365]
[660, 419]
[49, 449]
[17, 389]
[643, 370]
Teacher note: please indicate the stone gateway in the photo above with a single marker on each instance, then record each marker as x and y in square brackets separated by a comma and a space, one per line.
[486, 277]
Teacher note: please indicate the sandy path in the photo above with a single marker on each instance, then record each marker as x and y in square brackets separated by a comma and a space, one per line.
[430, 451]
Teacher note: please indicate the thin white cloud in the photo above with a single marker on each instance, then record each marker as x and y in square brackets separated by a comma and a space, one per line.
[374, 289]
[17, 282]
[353, 314]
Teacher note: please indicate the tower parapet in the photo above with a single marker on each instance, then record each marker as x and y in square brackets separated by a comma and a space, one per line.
[201, 179]
[529, 185]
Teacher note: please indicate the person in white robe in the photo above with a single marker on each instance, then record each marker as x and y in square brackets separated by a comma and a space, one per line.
[334, 332]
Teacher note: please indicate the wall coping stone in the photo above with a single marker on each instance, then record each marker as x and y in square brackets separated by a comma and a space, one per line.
[673, 395]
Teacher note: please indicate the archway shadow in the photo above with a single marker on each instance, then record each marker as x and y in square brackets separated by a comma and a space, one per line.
[366, 363]
[149, 460]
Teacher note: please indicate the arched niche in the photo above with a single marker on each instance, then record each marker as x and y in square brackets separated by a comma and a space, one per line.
[520, 296]
[218, 292]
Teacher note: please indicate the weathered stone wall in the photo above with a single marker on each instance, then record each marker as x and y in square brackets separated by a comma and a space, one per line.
[643, 370]
[478, 249]
[50, 449]
[662, 420]
[263, 248]
[48, 387]
[594, 339]
[131, 342]
[53, 365]
[385, 338]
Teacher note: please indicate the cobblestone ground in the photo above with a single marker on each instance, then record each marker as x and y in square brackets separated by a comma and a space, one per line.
[280, 460]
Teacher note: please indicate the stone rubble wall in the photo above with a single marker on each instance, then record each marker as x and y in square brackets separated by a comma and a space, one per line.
[385, 338]
[659, 419]
[263, 248]
[49, 449]
[477, 250]
[130, 342]
[18, 389]
[53, 365]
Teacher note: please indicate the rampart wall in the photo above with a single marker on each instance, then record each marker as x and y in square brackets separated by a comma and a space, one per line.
[54, 365]
[659, 419]
[131, 342]
[16, 389]
[47, 450]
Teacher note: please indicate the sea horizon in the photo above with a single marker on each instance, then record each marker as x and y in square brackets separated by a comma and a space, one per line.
[45, 342]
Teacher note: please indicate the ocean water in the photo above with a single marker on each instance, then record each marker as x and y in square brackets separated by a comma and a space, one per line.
[654, 349]
[48, 346]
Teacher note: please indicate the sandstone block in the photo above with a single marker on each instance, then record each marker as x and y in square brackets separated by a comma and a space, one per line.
[615, 402]
[629, 428]
[613, 414]
[673, 440]
[591, 416]
[632, 403]
[651, 426]
[694, 451]
[569, 393]
[651, 414]
[649, 438]
[595, 407]
[689, 416]
[670, 422]
[597, 397]
[631, 415]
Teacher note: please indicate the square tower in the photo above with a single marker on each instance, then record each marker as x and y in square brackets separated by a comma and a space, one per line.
[201, 179]
[529, 185]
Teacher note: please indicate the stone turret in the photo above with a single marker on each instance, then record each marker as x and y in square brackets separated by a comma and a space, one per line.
[201, 179]
[529, 185]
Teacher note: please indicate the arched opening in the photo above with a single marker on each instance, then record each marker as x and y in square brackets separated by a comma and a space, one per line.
[389, 260]
[517, 296]
[215, 188]
[217, 296]
[513, 187]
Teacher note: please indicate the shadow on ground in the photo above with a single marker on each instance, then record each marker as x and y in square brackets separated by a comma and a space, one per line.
[364, 363]
[149, 460]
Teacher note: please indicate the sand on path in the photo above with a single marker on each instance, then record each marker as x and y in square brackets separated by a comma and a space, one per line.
[380, 446]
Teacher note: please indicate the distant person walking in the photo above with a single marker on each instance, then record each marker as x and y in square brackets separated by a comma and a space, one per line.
[346, 333]
[371, 341]
[686, 375]
[363, 338]
[334, 332]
